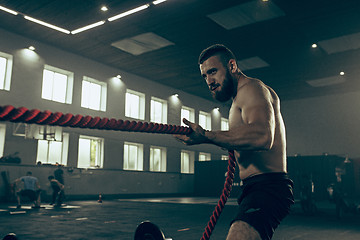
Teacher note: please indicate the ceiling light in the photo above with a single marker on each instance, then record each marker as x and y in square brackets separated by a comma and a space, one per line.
[47, 24]
[314, 45]
[124, 14]
[104, 8]
[118, 76]
[342, 73]
[217, 109]
[176, 95]
[32, 48]
[8, 10]
[158, 2]
[87, 27]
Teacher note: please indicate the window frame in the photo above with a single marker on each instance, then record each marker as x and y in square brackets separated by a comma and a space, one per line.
[208, 120]
[163, 155]
[139, 164]
[141, 106]
[8, 71]
[100, 154]
[164, 107]
[206, 155]
[64, 150]
[103, 94]
[191, 162]
[69, 84]
[191, 117]
[224, 121]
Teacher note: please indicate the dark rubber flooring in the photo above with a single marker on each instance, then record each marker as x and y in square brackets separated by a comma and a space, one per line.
[179, 219]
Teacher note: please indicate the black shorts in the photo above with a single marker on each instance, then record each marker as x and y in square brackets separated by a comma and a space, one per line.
[264, 201]
[32, 195]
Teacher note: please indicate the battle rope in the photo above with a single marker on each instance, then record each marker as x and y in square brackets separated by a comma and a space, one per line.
[223, 198]
[35, 116]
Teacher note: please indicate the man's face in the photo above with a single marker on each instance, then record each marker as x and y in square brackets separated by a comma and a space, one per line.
[218, 78]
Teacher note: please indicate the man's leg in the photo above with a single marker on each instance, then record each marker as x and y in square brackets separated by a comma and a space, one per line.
[240, 230]
[18, 199]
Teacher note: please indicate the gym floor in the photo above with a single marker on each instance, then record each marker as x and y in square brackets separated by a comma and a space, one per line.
[178, 218]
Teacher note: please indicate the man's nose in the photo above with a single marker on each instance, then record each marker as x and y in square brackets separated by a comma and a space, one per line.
[210, 81]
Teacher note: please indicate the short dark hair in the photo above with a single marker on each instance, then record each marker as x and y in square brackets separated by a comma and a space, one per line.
[224, 53]
[51, 177]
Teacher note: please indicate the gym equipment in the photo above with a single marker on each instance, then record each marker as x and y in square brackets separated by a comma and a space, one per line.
[148, 231]
[22, 114]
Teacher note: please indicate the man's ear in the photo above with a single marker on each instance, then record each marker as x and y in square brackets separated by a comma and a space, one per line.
[232, 65]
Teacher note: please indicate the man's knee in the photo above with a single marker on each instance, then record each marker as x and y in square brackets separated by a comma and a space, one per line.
[240, 230]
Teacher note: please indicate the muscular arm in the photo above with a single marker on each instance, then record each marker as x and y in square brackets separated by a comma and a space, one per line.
[252, 123]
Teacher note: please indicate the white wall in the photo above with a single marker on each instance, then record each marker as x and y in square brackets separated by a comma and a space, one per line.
[25, 91]
[327, 124]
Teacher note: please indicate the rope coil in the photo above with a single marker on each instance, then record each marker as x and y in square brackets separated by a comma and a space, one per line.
[35, 116]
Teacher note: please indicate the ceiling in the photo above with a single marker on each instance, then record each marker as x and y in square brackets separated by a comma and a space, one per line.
[282, 44]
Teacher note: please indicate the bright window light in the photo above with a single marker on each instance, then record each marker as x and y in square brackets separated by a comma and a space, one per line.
[87, 27]
[47, 25]
[8, 10]
[158, 2]
[124, 14]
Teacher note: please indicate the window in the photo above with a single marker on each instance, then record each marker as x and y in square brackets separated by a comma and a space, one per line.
[157, 159]
[135, 104]
[133, 156]
[204, 156]
[188, 113]
[53, 152]
[57, 85]
[224, 124]
[91, 152]
[187, 161]
[158, 110]
[93, 95]
[225, 157]
[6, 62]
[2, 138]
[205, 120]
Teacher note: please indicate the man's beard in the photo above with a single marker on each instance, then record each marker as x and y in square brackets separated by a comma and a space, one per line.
[227, 89]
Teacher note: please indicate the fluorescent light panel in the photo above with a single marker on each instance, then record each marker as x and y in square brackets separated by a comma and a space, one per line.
[87, 27]
[124, 14]
[252, 63]
[142, 43]
[158, 2]
[323, 82]
[341, 44]
[246, 14]
[47, 24]
[8, 10]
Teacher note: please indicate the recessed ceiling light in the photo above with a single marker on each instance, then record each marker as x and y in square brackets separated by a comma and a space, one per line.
[314, 45]
[176, 95]
[342, 73]
[32, 48]
[118, 76]
[104, 8]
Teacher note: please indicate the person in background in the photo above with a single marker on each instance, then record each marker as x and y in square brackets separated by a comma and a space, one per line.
[58, 188]
[31, 190]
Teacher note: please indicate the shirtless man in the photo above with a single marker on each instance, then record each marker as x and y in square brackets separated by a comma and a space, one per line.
[257, 136]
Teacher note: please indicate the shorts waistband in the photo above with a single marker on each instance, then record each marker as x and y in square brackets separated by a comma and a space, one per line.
[266, 177]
